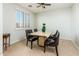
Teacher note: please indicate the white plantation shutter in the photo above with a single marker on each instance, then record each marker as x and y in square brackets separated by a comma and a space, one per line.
[22, 19]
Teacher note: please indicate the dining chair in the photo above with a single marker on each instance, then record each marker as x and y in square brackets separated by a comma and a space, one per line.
[35, 30]
[52, 41]
[30, 38]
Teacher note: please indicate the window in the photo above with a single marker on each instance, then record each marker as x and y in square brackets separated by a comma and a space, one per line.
[22, 19]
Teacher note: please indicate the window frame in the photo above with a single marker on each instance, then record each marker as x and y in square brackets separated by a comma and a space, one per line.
[26, 20]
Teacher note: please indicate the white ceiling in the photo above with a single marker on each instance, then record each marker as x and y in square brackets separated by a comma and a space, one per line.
[40, 9]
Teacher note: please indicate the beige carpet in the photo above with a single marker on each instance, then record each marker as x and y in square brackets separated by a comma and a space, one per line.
[66, 48]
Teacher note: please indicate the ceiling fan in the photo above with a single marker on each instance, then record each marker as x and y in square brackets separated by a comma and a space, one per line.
[43, 5]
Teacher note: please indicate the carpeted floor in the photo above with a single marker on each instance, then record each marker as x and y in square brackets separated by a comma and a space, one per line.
[65, 48]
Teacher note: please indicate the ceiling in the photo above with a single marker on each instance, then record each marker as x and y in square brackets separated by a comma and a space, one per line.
[40, 9]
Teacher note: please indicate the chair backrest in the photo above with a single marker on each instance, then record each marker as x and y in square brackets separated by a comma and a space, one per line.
[28, 31]
[53, 35]
[57, 38]
[35, 30]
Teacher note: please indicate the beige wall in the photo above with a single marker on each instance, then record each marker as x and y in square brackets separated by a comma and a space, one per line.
[56, 19]
[1, 8]
[9, 21]
[75, 23]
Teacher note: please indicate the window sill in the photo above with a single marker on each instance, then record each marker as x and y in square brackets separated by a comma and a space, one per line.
[20, 28]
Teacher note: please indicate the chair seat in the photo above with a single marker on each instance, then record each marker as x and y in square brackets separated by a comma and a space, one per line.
[50, 41]
[33, 38]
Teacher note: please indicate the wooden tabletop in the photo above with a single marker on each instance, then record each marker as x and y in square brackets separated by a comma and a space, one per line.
[44, 34]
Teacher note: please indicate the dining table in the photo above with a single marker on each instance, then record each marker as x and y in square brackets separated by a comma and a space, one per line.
[42, 37]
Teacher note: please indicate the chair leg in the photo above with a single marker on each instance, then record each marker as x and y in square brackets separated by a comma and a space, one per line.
[56, 50]
[27, 43]
[44, 48]
[38, 42]
[31, 44]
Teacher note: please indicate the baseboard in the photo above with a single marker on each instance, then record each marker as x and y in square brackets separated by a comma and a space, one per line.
[75, 44]
[16, 41]
[64, 38]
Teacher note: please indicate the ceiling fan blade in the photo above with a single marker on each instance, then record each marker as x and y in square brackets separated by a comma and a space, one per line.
[43, 5]
[39, 3]
[47, 4]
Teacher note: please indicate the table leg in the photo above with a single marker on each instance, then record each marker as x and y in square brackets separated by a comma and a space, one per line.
[3, 44]
[41, 41]
[9, 40]
[6, 44]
